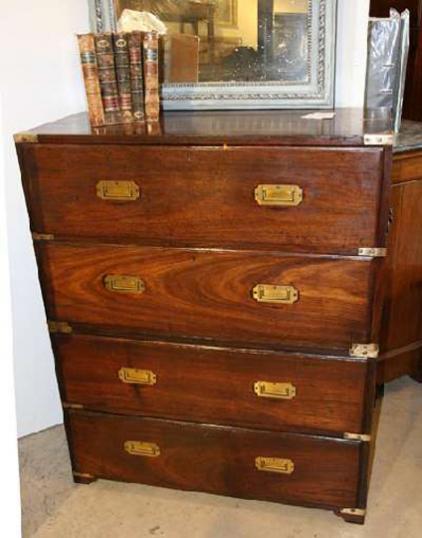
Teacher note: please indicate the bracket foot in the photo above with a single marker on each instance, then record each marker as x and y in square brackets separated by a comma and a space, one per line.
[83, 478]
[417, 373]
[352, 515]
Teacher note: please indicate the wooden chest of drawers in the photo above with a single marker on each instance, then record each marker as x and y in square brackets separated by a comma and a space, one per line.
[222, 308]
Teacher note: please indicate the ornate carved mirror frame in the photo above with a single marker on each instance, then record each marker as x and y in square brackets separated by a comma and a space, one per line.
[317, 91]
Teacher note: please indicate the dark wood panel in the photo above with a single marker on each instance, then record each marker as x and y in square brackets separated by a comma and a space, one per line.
[403, 312]
[416, 373]
[407, 167]
[208, 294]
[401, 333]
[415, 107]
[217, 460]
[250, 127]
[205, 196]
[400, 362]
[381, 8]
[213, 384]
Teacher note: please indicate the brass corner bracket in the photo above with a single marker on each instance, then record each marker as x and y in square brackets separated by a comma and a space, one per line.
[66, 405]
[59, 327]
[25, 137]
[360, 512]
[83, 475]
[42, 237]
[364, 437]
[378, 139]
[364, 351]
[373, 252]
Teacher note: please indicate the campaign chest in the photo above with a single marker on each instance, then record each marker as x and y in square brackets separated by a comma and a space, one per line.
[226, 295]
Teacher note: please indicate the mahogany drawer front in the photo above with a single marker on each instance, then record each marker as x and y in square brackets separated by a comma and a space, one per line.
[259, 389]
[221, 460]
[193, 196]
[210, 294]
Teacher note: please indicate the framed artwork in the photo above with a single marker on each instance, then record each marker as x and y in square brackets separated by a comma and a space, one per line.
[226, 12]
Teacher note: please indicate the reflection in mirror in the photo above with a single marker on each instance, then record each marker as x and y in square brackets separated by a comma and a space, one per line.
[232, 40]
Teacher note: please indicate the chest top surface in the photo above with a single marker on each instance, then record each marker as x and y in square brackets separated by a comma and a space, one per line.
[349, 127]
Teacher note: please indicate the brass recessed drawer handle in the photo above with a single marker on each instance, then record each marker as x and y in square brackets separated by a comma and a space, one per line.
[279, 195]
[124, 284]
[135, 376]
[274, 465]
[269, 293]
[121, 191]
[140, 448]
[280, 391]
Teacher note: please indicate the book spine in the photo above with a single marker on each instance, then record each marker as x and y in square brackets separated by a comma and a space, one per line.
[108, 79]
[121, 58]
[152, 97]
[136, 75]
[91, 79]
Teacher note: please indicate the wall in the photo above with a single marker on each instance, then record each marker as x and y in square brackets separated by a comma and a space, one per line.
[9, 483]
[40, 82]
[352, 34]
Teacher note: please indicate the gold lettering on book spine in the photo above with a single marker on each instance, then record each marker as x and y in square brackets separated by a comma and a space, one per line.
[152, 98]
[91, 79]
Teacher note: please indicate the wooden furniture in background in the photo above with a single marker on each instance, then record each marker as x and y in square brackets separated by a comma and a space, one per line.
[402, 329]
[412, 107]
[222, 306]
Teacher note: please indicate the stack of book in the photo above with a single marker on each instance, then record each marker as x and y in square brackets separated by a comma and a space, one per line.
[120, 73]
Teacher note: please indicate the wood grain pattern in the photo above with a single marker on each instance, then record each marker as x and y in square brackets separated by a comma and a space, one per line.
[217, 459]
[208, 294]
[200, 243]
[213, 384]
[205, 196]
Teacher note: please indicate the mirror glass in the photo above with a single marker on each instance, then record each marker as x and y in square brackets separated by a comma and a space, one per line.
[232, 40]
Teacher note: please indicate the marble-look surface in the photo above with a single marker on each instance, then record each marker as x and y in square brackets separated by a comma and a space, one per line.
[409, 138]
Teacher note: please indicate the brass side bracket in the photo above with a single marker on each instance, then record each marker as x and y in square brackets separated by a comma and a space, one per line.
[66, 405]
[373, 252]
[353, 512]
[379, 139]
[26, 137]
[357, 437]
[83, 475]
[59, 327]
[364, 351]
[42, 237]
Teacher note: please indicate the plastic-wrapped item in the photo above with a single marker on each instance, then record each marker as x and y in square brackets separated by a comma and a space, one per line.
[405, 44]
[388, 46]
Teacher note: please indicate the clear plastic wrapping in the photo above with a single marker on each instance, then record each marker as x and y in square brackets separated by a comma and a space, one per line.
[388, 46]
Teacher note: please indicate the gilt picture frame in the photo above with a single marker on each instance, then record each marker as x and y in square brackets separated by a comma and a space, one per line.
[313, 91]
[227, 13]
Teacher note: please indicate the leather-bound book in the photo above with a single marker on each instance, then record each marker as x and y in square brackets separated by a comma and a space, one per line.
[181, 58]
[121, 59]
[152, 97]
[108, 79]
[91, 79]
[136, 75]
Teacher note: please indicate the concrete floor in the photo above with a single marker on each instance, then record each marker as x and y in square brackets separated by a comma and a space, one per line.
[54, 507]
